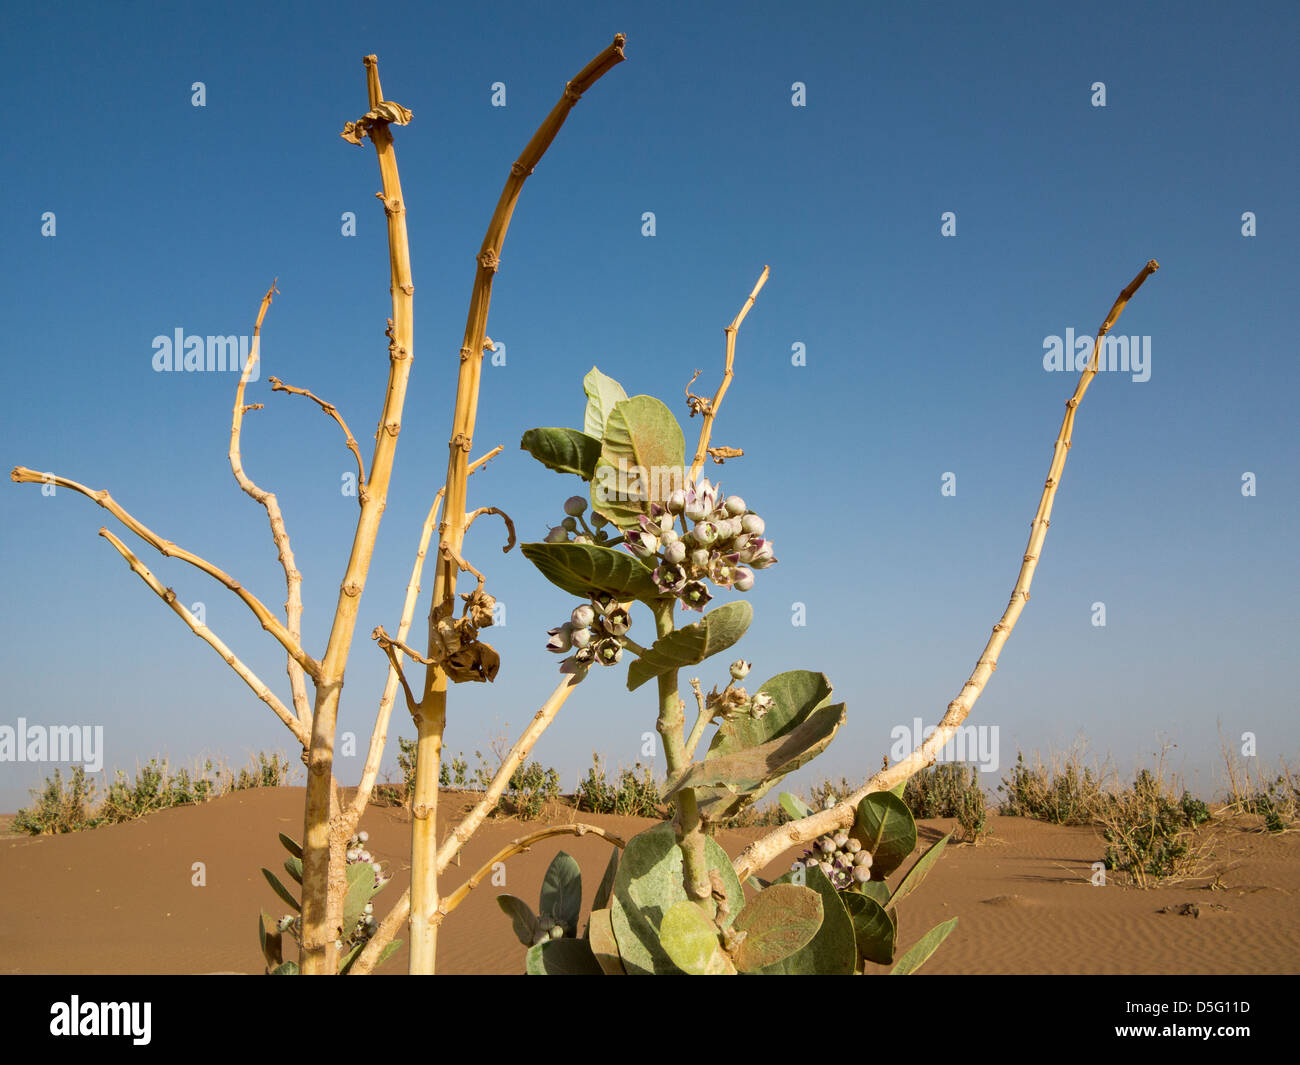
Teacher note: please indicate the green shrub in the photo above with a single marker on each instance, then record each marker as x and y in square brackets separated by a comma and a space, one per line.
[950, 789]
[632, 796]
[1064, 794]
[73, 806]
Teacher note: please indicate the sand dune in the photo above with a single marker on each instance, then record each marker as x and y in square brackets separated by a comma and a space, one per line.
[121, 899]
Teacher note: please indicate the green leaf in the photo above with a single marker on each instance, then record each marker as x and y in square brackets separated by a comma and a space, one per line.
[563, 450]
[641, 460]
[345, 963]
[561, 896]
[280, 889]
[602, 393]
[925, 946]
[561, 957]
[832, 951]
[758, 883]
[606, 886]
[795, 695]
[648, 883]
[387, 952]
[777, 921]
[874, 931]
[873, 889]
[293, 866]
[522, 918]
[746, 771]
[899, 788]
[271, 942]
[581, 569]
[291, 846]
[885, 827]
[794, 806]
[288, 968]
[917, 873]
[714, 632]
[691, 941]
[600, 936]
[361, 888]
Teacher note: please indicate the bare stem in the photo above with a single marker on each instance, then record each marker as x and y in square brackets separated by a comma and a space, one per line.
[331, 411]
[709, 408]
[205, 634]
[762, 851]
[433, 715]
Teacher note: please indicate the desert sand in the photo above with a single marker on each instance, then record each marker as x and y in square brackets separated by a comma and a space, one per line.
[121, 899]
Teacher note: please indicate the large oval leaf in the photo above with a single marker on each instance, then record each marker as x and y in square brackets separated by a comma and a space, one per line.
[602, 393]
[885, 826]
[874, 930]
[647, 885]
[752, 772]
[832, 951]
[561, 897]
[714, 632]
[581, 569]
[691, 941]
[795, 695]
[641, 460]
[563, 450]
[521, 916]
[777, 922]
[600, 935]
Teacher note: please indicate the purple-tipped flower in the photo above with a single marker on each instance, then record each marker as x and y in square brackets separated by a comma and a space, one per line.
[583, 616]
[670, 579]
[700, 558]
[642, 544]
[701, 499]
[602, 602]
[608, 651]
[677, 501]
[752, 524]
[616, 622]
[862, 874]
[675, 553]
[722, 570]
[561, 639]
[743, 579]
[575, 505]
[581, 637]
[734, 505]
[695, 595]
[760, 554]
[578, 661]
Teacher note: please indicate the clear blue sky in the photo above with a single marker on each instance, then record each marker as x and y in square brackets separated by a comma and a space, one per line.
[924, 353]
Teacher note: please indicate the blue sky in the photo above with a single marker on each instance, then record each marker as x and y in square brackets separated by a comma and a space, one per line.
[924, 353]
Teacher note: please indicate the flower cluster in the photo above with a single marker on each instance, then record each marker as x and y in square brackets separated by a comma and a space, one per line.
[594, 633]
[723, 545]
[733, 702]
[567, 531]
[842, 858]
[548, 927]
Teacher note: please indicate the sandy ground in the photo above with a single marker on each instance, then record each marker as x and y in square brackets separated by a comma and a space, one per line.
[122, 899]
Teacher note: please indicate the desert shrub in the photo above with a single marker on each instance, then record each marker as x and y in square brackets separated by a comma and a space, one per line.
[59, 807]
[74, 806]
[1150, 833]
[531, 787]
[632, 795]
[1064, 793]
[949, 789]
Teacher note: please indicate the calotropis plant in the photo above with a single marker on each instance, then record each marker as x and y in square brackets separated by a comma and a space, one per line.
[673, 903]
